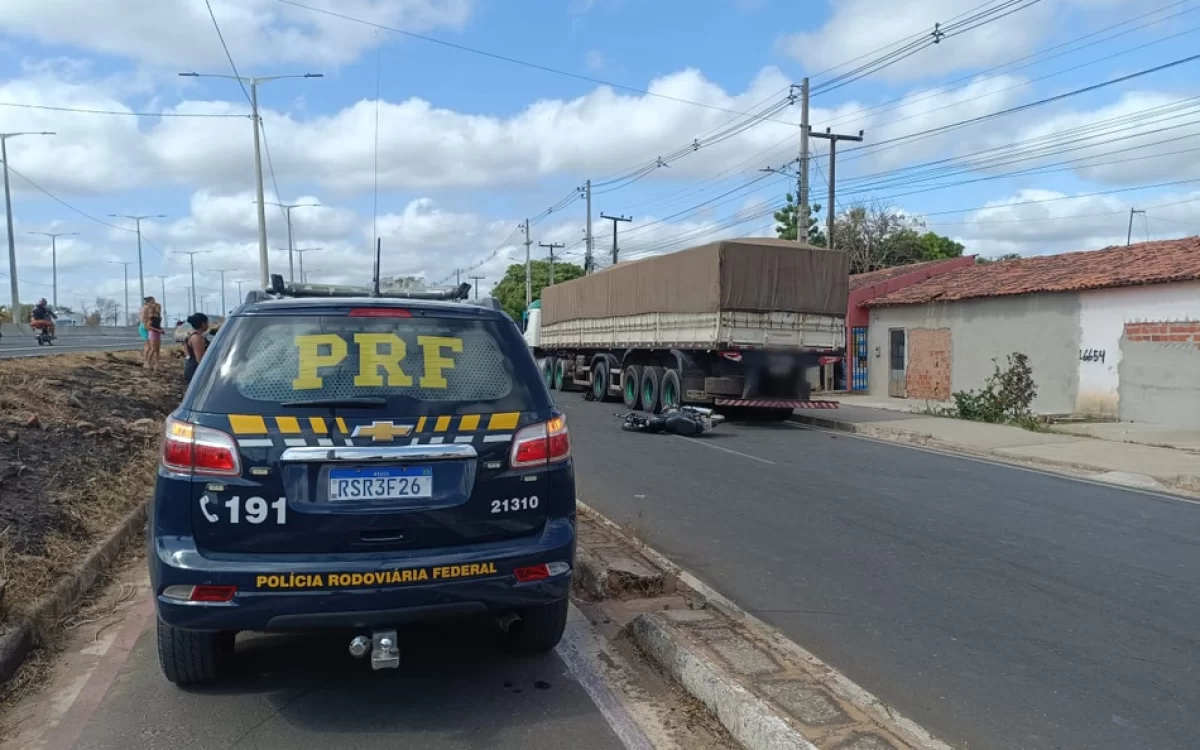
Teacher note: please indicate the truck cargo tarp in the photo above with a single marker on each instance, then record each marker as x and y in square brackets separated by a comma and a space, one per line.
[751, 275]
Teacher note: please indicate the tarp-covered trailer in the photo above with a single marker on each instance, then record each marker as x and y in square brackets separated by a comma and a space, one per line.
[731, 323]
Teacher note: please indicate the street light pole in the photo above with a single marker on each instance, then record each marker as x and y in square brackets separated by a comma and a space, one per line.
[192, 260]
[138, 223]
[264, 270]
[287, 209]
[54, 258]
[163, 279]
[301, 253]
[12, 243]
[223, 271]
[126, 264]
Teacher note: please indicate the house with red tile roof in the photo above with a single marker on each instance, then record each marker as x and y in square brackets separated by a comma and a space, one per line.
[865, 287]
[1112, 332]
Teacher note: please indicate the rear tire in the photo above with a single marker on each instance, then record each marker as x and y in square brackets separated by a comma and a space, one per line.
[631, 387]
[600, 380]
[191, 657]
[652, 389]
[541, 628]
[671, 390]
[560, 374]
[548, 373]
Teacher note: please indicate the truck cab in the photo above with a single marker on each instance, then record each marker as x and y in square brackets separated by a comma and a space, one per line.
[531, 325]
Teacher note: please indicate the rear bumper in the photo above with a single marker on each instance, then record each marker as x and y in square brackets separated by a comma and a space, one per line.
[336, 592]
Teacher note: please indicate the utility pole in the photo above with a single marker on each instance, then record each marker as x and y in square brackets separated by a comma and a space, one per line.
[476, 279]
[804, 212]
[551, 246]
[588, 257]
[287, 209]
[833, 139]
[264, 269]
[138, 221]
[163, 279]
[54, 258]
[192, 260]
[12, 244]
[528, 268]
[126, 264]
[614, 220]
[457, 277]
[239, 282]
[300, 252]
[222, 271]
[1129, 234]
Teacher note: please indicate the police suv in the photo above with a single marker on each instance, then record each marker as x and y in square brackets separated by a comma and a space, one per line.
[347, 461]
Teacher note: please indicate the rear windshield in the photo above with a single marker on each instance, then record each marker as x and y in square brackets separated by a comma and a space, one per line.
[419, 365]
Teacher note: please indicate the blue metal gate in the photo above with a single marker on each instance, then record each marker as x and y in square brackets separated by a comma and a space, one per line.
[858, 359]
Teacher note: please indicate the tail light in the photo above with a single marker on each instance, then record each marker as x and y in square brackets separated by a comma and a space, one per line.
[379, 312]
[203, 451]
[542, 444]
[531, 573]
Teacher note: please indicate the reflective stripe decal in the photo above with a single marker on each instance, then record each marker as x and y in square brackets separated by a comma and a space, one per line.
[504, 421]
[288, 425]
[256, 443]
[443, 424]
[497, 438]
[247, 424]
[318, 425]
[469, 423]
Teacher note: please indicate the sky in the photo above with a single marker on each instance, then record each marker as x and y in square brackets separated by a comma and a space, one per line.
[440, 126]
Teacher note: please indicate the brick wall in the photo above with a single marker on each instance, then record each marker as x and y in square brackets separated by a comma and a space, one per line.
[1177, 332]
[930, 354]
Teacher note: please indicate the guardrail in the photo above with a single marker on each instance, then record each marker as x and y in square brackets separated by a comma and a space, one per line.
[23, 331]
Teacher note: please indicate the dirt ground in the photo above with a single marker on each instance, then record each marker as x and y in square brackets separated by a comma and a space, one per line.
[79, 439]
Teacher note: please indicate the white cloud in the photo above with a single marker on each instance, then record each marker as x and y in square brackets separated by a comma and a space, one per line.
[180, 33]
[856, 28]
[1057, 223]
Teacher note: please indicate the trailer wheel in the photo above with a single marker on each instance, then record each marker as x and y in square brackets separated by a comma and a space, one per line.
[548, 371]
[671, 389]
[652, 389]
[560, 374]
[600, 379]
[631, 387]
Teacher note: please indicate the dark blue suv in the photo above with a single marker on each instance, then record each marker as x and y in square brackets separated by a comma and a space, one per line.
[352, 464]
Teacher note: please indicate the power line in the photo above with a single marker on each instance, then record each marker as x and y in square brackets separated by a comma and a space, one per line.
[65, 204]
[224, 46]
[126, 113]
[507, 59]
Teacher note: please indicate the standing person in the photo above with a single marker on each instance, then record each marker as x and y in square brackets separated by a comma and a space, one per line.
[194, 345]
[151, 321]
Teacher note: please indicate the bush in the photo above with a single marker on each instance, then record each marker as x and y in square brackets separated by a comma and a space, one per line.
[1006, 396]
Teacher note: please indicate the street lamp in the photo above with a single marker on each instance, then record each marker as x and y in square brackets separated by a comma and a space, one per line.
[54, 257]
[263, 261]
[138, 221]
[287, 208]
[12, 243]
[301, 253]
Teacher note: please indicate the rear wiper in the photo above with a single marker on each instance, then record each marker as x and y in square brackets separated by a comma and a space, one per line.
[350, 403]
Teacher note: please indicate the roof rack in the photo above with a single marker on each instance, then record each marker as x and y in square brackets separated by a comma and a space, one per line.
[280, 288]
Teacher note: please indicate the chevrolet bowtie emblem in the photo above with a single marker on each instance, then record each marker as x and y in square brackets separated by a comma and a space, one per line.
[382, 432]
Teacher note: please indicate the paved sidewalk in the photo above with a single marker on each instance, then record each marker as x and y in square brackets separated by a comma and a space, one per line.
[1126, 463]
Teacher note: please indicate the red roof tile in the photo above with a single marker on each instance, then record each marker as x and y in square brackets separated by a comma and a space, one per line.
[871, 278]
[1144, 263]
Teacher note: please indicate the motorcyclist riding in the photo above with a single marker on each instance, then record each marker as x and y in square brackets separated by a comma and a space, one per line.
[43, 316]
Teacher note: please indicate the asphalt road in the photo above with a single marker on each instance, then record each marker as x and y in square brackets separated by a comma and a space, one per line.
[998, 607]
[454, 690]
[12, 346]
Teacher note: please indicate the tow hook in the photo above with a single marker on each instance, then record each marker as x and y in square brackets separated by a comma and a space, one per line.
[385, 654]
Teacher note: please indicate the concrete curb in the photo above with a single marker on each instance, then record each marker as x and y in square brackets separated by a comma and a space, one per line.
[749, 719]
[1183, 484]
[16, 644]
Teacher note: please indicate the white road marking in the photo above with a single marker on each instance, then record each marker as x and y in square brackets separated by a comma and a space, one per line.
[724, 449]
[579, 649]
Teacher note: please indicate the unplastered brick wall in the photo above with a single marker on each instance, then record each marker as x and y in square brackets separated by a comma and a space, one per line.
[1166, 332]
[930, 356]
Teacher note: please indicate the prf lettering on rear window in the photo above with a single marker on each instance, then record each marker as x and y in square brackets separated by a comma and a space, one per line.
[379, 358]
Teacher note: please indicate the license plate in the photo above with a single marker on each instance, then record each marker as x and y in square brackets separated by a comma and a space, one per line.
[392, 483]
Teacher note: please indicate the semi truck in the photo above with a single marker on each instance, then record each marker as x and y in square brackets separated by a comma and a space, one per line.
[741, 324]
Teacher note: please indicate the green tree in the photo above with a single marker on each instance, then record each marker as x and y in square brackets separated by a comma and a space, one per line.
[1007, 256]
[511, 289]
[936, 247]
[785, 227]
